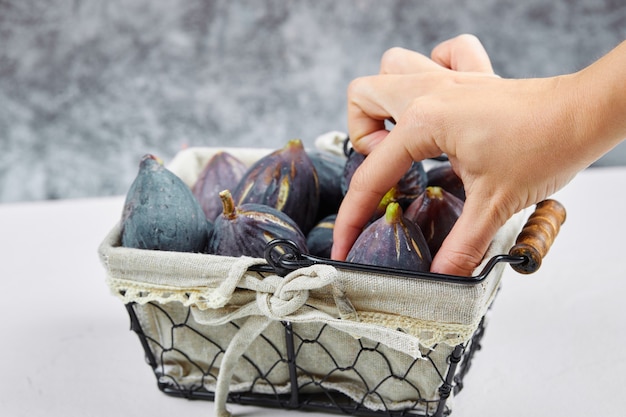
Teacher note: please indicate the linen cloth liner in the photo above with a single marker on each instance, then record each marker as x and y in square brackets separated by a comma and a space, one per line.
[402, 313]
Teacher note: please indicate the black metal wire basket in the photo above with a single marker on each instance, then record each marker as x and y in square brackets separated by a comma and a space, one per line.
[299, 332]
[307, 388]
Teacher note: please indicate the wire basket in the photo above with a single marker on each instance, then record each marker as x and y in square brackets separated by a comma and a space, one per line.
[295, 331]
[307, 389]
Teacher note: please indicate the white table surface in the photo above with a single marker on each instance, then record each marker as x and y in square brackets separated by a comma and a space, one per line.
[554, 346]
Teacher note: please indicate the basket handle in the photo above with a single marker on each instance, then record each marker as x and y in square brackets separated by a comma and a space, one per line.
[537, 235]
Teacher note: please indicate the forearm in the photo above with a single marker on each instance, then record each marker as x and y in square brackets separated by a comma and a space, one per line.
[599, 106]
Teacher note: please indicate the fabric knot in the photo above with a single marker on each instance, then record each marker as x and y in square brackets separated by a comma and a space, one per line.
[215, 298]
[292, 291]
[288, 295]
[277, 308]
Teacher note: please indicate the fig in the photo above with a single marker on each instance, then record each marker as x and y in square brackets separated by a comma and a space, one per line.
[412, 184]
[161, 213]
[392, 241]
[435, 212]
[353, 161]
[329, 168]
[444, 176]
[222, 171]
[286, 180]
[409, 187]
[319, 241]
[245, 230]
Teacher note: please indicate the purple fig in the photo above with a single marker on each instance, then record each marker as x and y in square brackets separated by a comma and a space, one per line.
[245, 230]
[329, 168]
[223, 171]
[392, 241]
[410, 186]
[435, 212]
[444, 176]
[286, 180]
[161, 213]
[353, 161]
[319, 241]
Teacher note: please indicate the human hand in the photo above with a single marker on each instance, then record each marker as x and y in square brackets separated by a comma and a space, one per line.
[462, 53]
[512, 142]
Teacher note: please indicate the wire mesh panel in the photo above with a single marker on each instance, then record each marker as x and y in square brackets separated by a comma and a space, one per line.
[298, 366]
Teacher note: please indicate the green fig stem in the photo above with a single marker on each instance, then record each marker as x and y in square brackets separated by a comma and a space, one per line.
[393, 213]
[434, 192]
[228, 204]
[295, 143]
[389, 197]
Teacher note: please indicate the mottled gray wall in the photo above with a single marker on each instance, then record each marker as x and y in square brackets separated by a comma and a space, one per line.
[87, 87]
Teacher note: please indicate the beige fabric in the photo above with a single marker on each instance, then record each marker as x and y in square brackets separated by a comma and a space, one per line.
[408, 317]
[197, 279]
[332, 142]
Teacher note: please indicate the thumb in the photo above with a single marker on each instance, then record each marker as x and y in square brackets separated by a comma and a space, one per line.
[466, 244]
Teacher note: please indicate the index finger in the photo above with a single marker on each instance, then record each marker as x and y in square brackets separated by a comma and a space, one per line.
[369, 183]
[463, 53]
[372, 100]
[404, 61]
[379, 172]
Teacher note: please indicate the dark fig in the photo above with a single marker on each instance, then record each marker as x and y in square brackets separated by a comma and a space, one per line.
[319, 241]
[410, 186]
[444, 176]
[245, 230]
[161, 213]
[329, 168]
[353, 161]
[286, 180]
[392, 241]
[435, 212]
[222, 171]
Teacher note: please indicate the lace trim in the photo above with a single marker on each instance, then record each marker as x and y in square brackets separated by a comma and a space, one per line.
[428, 332]
[131, 292]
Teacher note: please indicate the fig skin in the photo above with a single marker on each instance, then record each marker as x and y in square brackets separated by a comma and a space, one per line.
[245, 230]
[329, 168]
[353, 161]
[410, 186]
[444, 176]
[435, 212]
[319, 241]
[161, 213]
[222, 171]
[392, 241]
[286, 180]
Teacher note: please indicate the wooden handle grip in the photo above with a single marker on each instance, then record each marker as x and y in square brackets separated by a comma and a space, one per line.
[537, 235]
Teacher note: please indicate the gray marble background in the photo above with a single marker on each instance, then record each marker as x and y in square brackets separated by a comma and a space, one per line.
[87, 87]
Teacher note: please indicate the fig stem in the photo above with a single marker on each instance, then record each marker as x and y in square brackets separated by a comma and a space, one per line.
[294, 144]
[434, 192]
[228, 204]
[389, 197]
[393, 213]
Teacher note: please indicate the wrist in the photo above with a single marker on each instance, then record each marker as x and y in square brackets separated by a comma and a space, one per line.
[597, 104]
